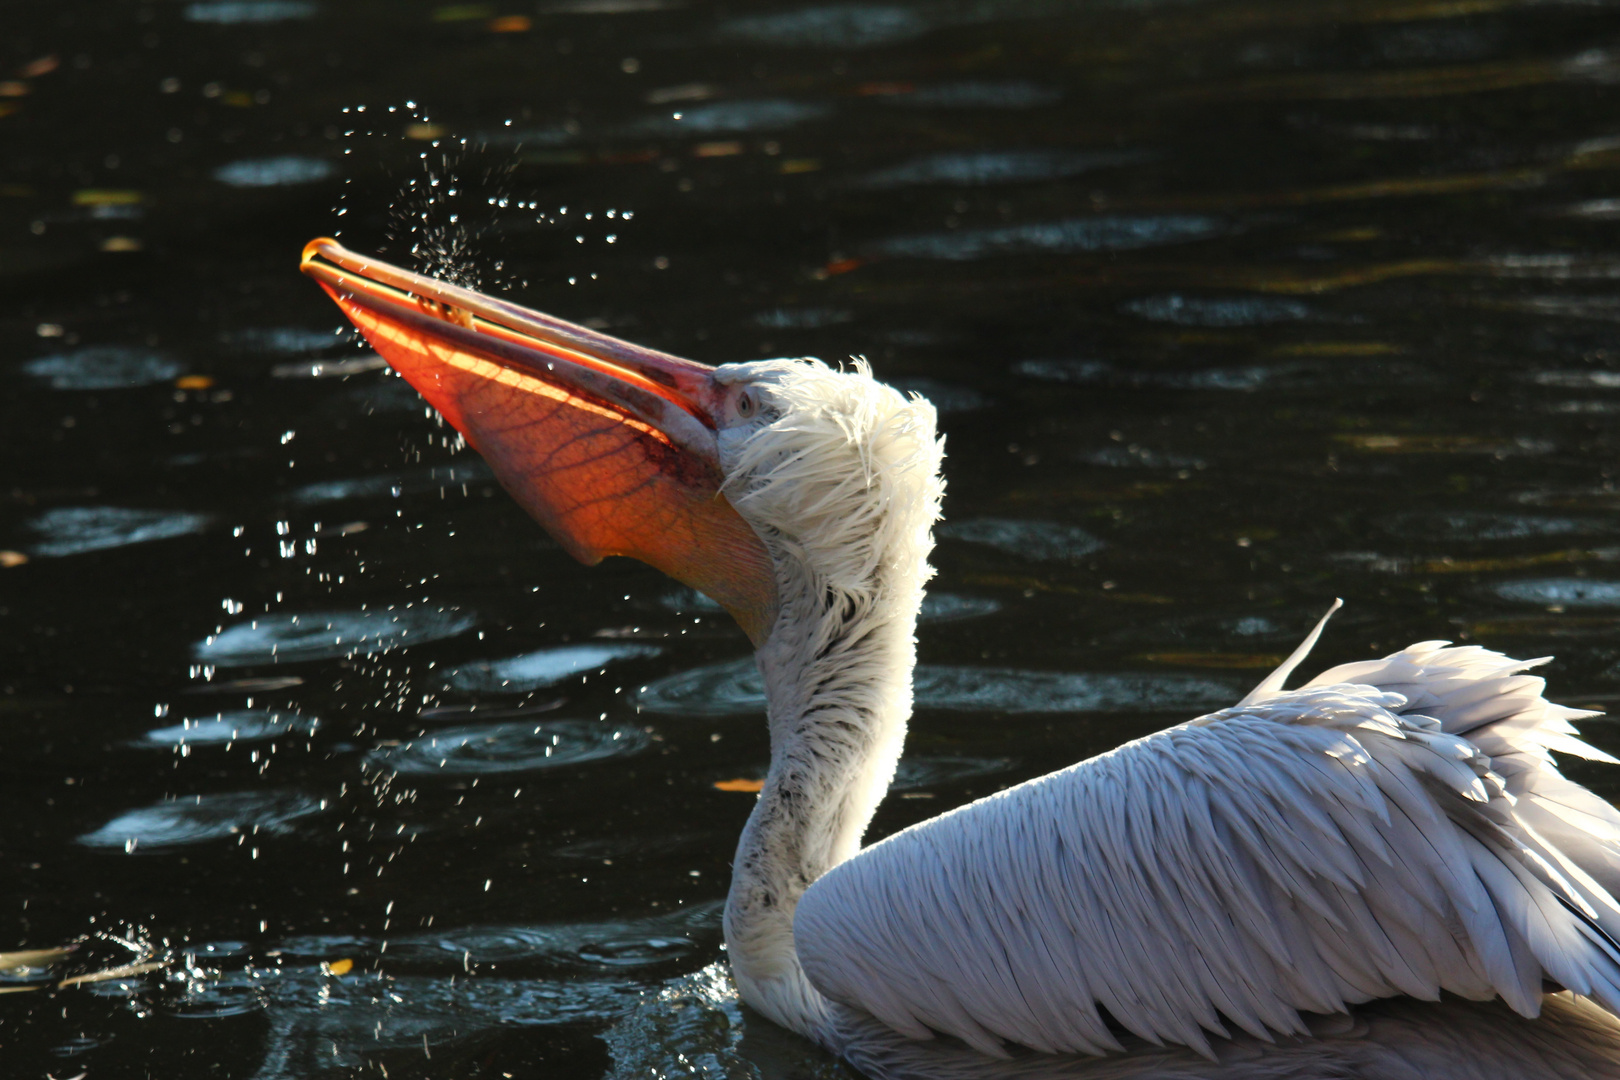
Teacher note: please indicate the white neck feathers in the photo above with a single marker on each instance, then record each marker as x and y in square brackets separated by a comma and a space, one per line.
[840, 476]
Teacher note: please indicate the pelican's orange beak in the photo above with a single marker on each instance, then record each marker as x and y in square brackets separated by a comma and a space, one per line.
[610, 446]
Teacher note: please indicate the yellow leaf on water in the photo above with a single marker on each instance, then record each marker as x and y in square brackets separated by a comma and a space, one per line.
[194, 382]
[752, 786]
[121, 243]
[339, 967]
[8, 559]
[106, 197]
[511, 24]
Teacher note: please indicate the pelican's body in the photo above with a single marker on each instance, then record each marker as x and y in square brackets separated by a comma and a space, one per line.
[1218, 900]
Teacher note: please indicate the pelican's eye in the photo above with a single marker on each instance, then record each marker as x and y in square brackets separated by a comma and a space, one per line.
[745, 405]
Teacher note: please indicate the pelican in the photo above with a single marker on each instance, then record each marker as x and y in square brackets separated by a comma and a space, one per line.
[1378, 875]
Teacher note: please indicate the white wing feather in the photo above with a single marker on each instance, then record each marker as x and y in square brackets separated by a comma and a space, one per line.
[1392, 827]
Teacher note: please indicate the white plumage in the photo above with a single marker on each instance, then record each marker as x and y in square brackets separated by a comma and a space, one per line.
[1393, 827]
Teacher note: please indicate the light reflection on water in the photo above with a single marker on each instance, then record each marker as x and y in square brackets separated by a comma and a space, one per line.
[547, 667]
[236, 725]
[73, 530]
[198, 819]
[1027, 539]
[1106, 233]
[1227, 308]
[104, 367]
[516, 747]
[322, 635]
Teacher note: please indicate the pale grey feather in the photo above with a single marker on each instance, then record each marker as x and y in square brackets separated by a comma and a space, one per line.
[1394, 827]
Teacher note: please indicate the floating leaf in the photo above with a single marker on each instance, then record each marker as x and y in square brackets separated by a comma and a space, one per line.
[741, 784]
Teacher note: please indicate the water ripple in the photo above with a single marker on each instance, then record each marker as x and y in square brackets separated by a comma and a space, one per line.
[231, 992]
[1217, 311]
[105, 367]
[1139, 457]
[393, 485]
[946, 398]
[1483, 525]
[273, 171]
[914, 774]
[72, 530]
[1027, 539]
[1561, 592]
[196, 819]
[291, 340]
[238, 725]
[233, 12]
[842, 26]
[801, 318]
[938, 607]
[544, 667]
[731, 118]
[321, 635]
[1016, 94]
[1112, 233]
[485, 749]
[1099, 372]
[736, 687]
[996, 167]
[612, 945]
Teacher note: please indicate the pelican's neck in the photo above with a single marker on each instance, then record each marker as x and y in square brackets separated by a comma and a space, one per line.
[837, 672]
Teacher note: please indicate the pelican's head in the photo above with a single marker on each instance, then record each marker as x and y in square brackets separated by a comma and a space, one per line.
[740, 480]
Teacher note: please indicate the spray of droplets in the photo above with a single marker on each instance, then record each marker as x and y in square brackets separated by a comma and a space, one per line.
[458, 195]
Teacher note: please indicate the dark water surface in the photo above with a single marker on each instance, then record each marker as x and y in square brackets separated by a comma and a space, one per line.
[1229, 307]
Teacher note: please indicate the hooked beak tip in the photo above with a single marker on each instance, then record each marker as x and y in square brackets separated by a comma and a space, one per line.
[312, 249]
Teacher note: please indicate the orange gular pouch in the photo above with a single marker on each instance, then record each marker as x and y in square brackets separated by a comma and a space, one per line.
[606, 456]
